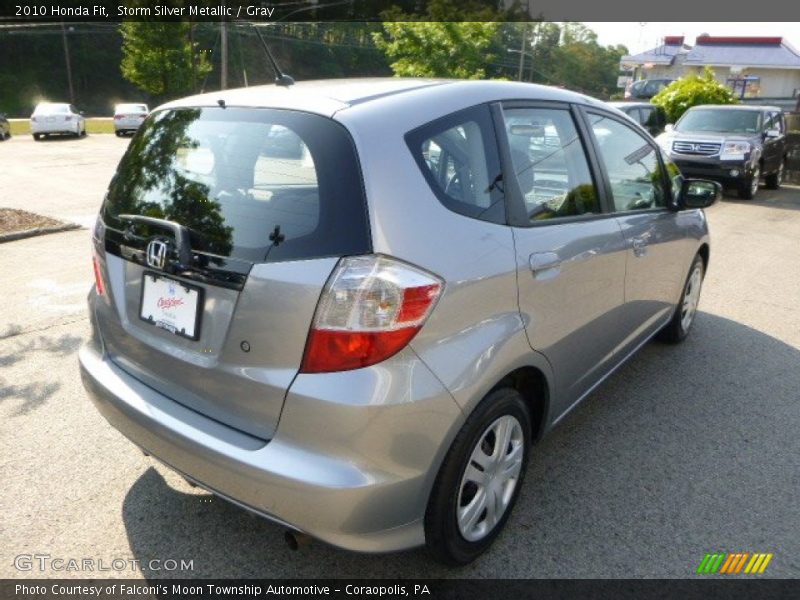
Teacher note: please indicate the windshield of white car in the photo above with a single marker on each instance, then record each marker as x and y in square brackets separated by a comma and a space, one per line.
[720, 121]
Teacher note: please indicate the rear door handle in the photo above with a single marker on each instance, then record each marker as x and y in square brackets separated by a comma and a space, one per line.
[544, 264]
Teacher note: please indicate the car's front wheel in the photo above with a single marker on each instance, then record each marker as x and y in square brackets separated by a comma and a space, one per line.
[749, 187]
[480, 479]
[683, 318]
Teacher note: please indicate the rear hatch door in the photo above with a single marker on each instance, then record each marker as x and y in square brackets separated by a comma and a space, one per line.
[217, 236]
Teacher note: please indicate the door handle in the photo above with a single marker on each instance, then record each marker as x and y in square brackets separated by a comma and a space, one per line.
[639, 247]
[544, 264]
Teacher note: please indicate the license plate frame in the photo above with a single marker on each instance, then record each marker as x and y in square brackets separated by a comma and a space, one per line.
[169, 325]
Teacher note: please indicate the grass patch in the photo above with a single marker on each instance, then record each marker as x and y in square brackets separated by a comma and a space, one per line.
[13, 220]
[92, 126]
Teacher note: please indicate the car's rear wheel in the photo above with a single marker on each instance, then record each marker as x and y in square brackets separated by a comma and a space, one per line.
[749, 187]
[37, 136]
[678, 328]
[480, 479]
[775, 180]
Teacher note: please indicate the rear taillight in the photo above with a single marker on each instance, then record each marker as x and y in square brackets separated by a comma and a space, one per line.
[33, 119]
[370, 309]
[119, 117]
[98, 277]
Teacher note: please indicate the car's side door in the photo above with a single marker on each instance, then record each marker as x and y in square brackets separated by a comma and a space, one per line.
[640, 193]
[570, 252]
[774, 141]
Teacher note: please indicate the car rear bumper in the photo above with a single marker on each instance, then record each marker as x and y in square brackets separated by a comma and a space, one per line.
[59, 127]
[352, 470]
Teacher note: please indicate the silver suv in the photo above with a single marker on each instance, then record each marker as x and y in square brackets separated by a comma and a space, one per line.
[352, 306]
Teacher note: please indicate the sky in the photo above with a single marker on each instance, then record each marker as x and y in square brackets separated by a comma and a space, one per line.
[643, 36]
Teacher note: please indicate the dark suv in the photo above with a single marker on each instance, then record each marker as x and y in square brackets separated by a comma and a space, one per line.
[651, 117]
[735, 145]
[644, 89]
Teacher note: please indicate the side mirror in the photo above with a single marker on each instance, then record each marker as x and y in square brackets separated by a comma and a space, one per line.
[669, 127]
[699, 193]
[771, 134]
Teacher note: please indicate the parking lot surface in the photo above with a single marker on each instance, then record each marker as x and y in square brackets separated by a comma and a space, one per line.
[686, 450]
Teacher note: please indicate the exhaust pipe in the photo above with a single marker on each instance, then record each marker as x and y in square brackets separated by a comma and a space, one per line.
[296, 540]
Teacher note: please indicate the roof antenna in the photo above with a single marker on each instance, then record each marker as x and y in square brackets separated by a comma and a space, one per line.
[281, 78]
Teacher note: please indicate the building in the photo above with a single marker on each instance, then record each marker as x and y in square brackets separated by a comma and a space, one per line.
[754, 67]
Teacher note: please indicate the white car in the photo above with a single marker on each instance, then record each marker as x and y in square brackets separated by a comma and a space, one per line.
[50, 118]
[128, 117]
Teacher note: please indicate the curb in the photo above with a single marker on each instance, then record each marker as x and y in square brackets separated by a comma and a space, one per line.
[26, 233]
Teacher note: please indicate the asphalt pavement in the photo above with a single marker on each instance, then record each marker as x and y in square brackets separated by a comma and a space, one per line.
[686, 450]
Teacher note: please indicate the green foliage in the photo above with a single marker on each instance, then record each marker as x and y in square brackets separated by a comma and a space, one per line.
[157, 58]
[693, 90]
[445, 49]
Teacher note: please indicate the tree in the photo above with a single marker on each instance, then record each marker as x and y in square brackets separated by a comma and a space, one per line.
[686, 92]
[445, 49]
[158, 57]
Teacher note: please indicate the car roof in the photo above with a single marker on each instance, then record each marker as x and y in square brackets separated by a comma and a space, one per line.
[328, 97]
[632, 104]
[753, 107]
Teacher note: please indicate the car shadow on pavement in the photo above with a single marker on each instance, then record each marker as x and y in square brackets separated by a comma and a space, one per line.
[31, 394]
[686, 449]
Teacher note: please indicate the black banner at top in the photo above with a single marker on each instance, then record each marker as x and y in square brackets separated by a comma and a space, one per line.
[47, 11]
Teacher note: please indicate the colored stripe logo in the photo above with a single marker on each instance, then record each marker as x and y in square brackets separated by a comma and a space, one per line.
[733, 563]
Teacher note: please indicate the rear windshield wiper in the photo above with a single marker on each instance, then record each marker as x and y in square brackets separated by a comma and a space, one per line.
[180, 232]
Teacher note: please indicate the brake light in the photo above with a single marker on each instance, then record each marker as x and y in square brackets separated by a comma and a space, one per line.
[119, 117]
[371, 308]
[98, 277]
[33, 119]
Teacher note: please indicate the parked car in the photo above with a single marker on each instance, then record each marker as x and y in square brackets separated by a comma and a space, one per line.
[5, 127]
[129, 117]
[736, 145]
[363, 341]
[57, 118]
[651, 117]
[644, 89]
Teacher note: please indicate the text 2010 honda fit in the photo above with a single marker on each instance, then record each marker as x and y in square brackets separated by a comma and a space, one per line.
[352, 306]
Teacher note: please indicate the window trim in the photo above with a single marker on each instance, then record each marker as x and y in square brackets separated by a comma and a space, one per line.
[515, 205]
[666, 182]
[477, 113]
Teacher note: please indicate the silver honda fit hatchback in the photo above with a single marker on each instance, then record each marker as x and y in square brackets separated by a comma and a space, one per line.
[352, 306]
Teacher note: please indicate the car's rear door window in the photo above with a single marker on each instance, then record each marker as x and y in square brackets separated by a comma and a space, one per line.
[550, 163]
[255, 185]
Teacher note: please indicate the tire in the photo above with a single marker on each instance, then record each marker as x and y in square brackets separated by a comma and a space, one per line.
[749, 187]
[449, 541]
[775, 180]
[37, 136]
[118, 133]
[679, 326]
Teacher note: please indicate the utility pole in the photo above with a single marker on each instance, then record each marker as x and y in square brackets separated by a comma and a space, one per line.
[223, 76]
[522, 51]
[69, 66]
[194, 56]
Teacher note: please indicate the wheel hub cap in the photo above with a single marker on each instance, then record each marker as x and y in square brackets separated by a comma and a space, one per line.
[691, 298]
[490, 478]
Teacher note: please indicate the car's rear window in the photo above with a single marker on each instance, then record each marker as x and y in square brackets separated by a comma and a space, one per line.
[240, 180]
[51, 109]
[121, 108]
